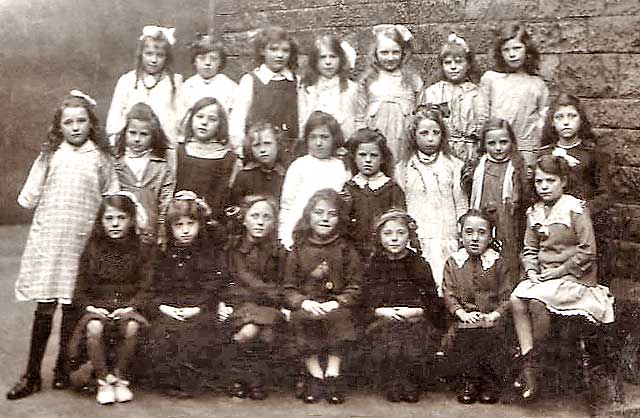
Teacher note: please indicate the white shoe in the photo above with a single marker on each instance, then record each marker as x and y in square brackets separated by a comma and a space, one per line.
[106, 391]
[122, 391]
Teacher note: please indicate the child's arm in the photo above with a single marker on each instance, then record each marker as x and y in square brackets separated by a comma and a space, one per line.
[504, 280]
[292, 294]
[167, 189]
[290, 191]
[109, 182]
[398, 199]
[82, 292]
[238, 118]
[117, 110]
[145, 268]
[362, 105]
[352, 272]
[29, 196]
[529, 256]
[483, 101]
[601, 188]
[460, 199]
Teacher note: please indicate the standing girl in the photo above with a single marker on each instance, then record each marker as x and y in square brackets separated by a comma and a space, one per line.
[322, 284]
[400, 297]
[263, 171]
[430, 178]
[270, 92]
[326, 85]
[142, 166]
[559, 261]
[254, 267]
[65, 185]
[456, 94]
[113, 281]
[515, 92]
[388, 87]
[372, 190]
[319, 169]
[152, 82]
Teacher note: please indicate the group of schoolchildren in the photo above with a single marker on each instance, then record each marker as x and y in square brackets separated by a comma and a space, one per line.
[217, 223]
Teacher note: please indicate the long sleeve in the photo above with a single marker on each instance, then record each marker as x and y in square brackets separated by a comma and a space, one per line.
[352, 274]
[117, 110]
[600, 199]
[167, 188]
[144, 272]
[450, 287]
[362, 105]
[109, 182]
[238, 118]
[292, 293]
[29, 196]
[81, 293]
[460, 199]
[585, 255]
[483, 101]
[529, 256]
[503, 277]
[290, 190]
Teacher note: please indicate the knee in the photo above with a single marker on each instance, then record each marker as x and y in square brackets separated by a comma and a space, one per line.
[131, 329]
[518, 306]
[94, 329]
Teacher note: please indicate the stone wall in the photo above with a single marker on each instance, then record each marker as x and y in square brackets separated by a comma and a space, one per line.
[590, 48]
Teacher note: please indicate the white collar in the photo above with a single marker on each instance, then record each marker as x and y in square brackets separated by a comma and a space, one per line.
[374, 182]
[560, 213]
[207, 80]
[265, 74]
[487, 258]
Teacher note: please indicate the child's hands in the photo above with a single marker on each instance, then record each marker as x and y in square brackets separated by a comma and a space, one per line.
[492, 317]
[321, 271]
[190, 312]
[407, 312]
[329, 306]
[98, 311]
[171, 312]
[469, 317]
[389, 313]
[313, 307]
[286, 313]
[116, 314]
[533, 275]
[224, 311]
[552, 273]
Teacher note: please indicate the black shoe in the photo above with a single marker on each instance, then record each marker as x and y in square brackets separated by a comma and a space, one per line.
[313, 391]
[334, 393]
[26, 386]
[238, 390]
[468, 394]
[60, 382]
[488, 394]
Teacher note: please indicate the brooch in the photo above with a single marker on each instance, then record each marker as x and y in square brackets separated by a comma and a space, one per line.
[328, 285]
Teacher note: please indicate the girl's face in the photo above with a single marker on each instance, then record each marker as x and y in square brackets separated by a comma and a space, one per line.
[264, 148]
[328, 61]
[138, 135]
[514, 53]
[154, 57]
[394, 236]
[205, 123]
[185, 230]
[428, 136]
[208, 64]
[498, 144]
[276, 55]
[368, 159]
[116, 223]
[320, 142]
[455, 68]
[75, 125]
[566, 121]
[259, 220]
[323, 219]
[476, 235]
[549, 187]
[388, 53]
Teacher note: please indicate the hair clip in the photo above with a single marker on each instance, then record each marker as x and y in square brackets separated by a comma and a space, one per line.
[232, 211]
[152, 31]
[78, 93]
[142, 217]
[402, 30]
[350, 53]
[455, 39]
[188, 195]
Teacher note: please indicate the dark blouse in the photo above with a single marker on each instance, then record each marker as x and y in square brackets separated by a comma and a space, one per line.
[275, 102]
[254, 180]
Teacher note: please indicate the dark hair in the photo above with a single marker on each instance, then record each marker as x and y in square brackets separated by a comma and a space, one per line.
[223, 126]
[311, 74]
[551, 164]
[160, 39]
[424, 112]
[318, 119]
[271, 34]
[54, 134]
[206, 43]
[255, 133]
[495, 243]
[144, 113]
[549, 133]
[237, 231]
[189, 208]
[395, 214]
[120, 202]
[516, 30]
[453, 49]
[302, 230]
[370, 136]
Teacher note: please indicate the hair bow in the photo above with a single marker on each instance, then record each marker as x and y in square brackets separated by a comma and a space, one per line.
[142, 217]
[78, 93]
[189, 195]
[455, 39]
[153, 31]
[350, 53]
[402, 30]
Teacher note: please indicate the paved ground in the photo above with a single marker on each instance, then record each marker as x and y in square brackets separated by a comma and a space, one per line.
[15, 327]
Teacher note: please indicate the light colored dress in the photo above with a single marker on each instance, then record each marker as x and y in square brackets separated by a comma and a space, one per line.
[326, 96]
[305, 176]
[66, 189]
[522, 100]
[387, 103]
[435, 199]
[462, 123]
[220, 87]
[159, 97]
[563, 237]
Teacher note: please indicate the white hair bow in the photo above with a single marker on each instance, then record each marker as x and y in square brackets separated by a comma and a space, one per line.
[78, 93]
[153, 31]
[142, 217]
[455, 39]
[189, 195]
[402, 30]
[350, 53]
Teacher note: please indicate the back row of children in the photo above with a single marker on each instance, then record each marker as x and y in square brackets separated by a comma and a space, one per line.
[420, 205]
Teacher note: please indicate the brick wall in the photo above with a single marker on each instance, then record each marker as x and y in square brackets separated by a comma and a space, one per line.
[590, 48]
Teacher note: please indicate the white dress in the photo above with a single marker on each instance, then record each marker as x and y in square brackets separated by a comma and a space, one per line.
[220, 87]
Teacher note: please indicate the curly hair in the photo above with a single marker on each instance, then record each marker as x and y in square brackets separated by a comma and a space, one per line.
[320, 119]
[452, 49]
[395, 214]
[223, 120]
[271, 34]
[549, 133]
[159, 41]
[254, 134]
[427, 112]
[370, 136]
[302, 230]
[237, 230]
[143, 113]
[54, 134]
[311, 73]
[517, 31]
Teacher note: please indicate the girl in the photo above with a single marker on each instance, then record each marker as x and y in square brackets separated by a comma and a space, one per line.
[188, 286]
[430, 178]
[400, 296]
[515, 92]
[499, 186]
[65, 185]
[326, 85]
[372, 190]
[254, 267]
[209, 60]
[559, 264]
[319, 169]
[322, 284]
[270, 92]
[152, 82]
[113, 280]
[456, 93]
[388, 88]
[476, 293]
[142, 166]
[263, 171]
[205, 163]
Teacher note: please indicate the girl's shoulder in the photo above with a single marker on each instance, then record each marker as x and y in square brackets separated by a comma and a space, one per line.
[490, 76]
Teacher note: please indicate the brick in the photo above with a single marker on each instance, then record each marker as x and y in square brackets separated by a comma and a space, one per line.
[235, 6]
[621, 7]
[614, 34]
[625, 182]
[500, 9]
[626, 218]
[432, 11]
[614, 113]
[561, 36]
[593, 75]
[625, 261]
[570, 8]
[629, 74]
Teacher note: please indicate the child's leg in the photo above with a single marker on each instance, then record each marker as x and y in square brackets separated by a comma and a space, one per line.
[333, 366]
[541, 320]
[127, 348]
[522, 323]
[67, 325]
[313, 366]
[95, 348]
[247, 333]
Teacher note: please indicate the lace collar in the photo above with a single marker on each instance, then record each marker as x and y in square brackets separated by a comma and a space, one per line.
[560, 213]
[374, 182]
[487, 258]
